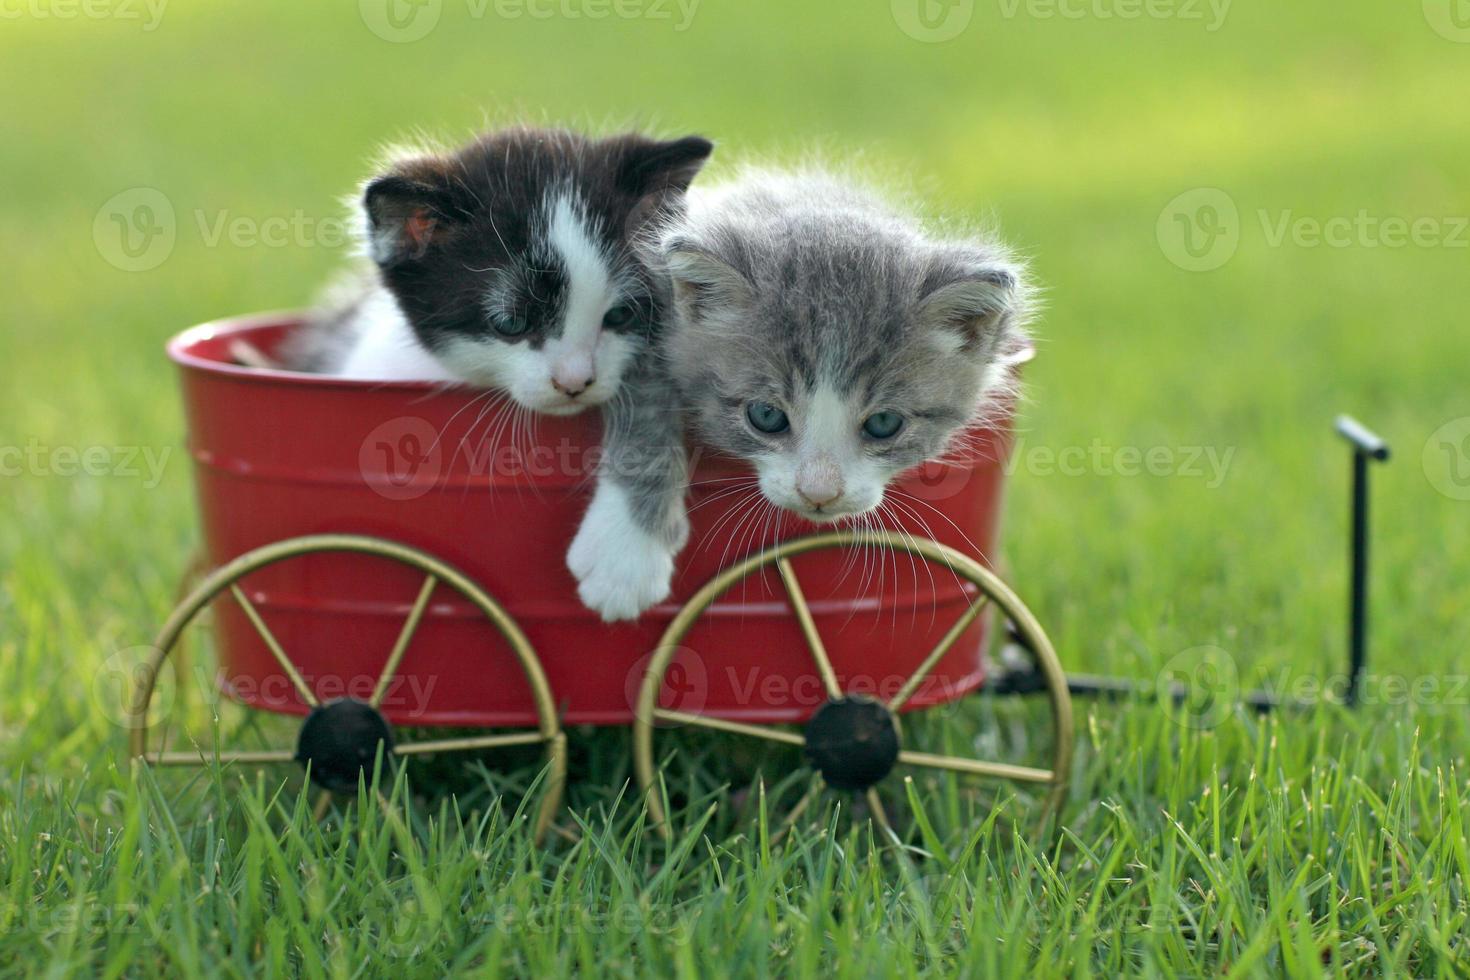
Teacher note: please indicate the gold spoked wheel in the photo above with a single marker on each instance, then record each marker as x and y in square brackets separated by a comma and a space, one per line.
[342, 736]
[853, 740]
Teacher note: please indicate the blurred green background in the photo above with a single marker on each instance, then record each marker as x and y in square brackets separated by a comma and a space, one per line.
[1247, 217]
[1071, 125]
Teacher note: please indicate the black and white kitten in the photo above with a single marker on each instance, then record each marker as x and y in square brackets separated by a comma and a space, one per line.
[508, 264]
[828, 339]
[513, 264]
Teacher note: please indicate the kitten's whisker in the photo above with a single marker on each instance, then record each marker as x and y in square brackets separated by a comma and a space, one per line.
[929, 533]
[721, 495]
[489, 395]
[744, 508]
[958, 530]
[726, 517]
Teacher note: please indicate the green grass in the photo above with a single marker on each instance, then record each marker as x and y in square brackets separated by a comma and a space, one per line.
[1327, 841]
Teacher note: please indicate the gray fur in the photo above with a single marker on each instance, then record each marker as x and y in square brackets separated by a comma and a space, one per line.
[789, 283]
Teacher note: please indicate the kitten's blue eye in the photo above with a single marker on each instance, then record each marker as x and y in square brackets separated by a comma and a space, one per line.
[510, 326]
[883, 425]
[619, 316]
[767, 417]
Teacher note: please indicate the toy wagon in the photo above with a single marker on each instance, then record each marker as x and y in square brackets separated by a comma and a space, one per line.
[385, 559]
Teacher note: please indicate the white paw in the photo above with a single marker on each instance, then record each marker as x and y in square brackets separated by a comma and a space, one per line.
[621, 570]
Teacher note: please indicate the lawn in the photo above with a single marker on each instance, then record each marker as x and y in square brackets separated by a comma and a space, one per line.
[1248, 218]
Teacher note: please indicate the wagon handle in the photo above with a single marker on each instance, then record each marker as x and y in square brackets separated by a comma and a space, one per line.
[1367, 445]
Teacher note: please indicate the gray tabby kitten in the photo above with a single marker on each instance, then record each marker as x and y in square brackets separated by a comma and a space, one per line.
[826, 338]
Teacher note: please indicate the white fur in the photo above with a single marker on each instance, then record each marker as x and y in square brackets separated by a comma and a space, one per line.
[385, 347]
[590, 291]
[621, 569]
[832, 436]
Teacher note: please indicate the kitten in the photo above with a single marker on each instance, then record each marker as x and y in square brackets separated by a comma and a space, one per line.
[509, 264]
[829, 339]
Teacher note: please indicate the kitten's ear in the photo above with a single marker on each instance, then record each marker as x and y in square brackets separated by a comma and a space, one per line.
[408, 210]
[702, 280]
[662, 166]
[977, 296]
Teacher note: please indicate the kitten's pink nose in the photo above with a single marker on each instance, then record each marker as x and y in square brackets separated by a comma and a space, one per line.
[573, 381]
[819, 483]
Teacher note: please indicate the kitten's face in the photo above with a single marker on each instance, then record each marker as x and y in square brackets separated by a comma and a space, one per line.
[834, 365]
[514, 259]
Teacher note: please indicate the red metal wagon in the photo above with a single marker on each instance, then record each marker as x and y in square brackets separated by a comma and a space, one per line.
[391, 556]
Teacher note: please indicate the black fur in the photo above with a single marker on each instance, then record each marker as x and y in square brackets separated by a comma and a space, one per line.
[443, 226]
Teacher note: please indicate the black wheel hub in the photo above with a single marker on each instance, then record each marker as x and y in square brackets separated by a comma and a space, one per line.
[852, 742]
[339, 739]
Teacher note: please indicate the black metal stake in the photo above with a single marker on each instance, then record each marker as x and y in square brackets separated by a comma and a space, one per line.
[1366, 446]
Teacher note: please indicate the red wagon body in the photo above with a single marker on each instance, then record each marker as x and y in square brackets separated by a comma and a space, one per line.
[278, 455]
